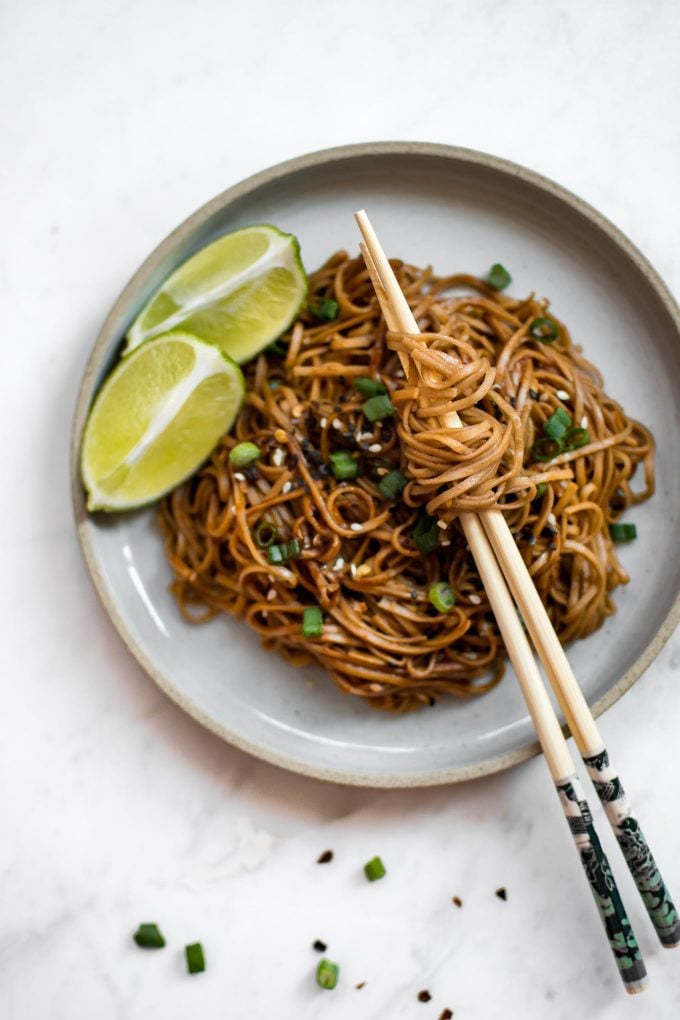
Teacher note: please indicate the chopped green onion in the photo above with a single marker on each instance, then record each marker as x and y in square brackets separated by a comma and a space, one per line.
[327, 974]
[378, 407]
[265, 533]
[544, 330]
[426, 534]
[312, 622]
[441, 596]
[343, 465]
[392, 484]
[195, 958]
[557, 424]
[148, 936]
[540, 489]
[326, 310]
[576, 437]
[374, 869]
[277, 347]
[278, 554]
[498, 277]
[244, 454]
[546, 448]
[622, 532]
[369, 387]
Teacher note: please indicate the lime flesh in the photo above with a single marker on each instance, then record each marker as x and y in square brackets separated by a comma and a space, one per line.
[156, 419]
[241, 291]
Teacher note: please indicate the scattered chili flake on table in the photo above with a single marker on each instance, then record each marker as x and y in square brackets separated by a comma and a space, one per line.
[446, 1014]
[502, 893]
[325, 858]
[457, 900]
[320, 946]
[424, 996]
[360, 985]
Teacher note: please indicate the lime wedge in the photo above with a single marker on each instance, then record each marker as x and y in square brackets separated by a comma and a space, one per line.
[242, 291]
[155, 420]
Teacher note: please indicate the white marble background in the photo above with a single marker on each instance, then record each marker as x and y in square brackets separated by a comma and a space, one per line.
[117, 121]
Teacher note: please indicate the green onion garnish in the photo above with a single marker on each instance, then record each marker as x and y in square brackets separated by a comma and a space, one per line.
[369, 387]
[391, 485]
[557, 424]
[265, 533]
[312, 622]
[378, 407]
[278, 554]
[244, 454]
[343, 465]
[195, 958]
[498, 277]
[540, 489]
[544, 330]
[576, 437]
[277, 347]
[441, 596]
[622, 532]
[546, 448]
[426, 534]
[374, 869]
[327, 974]
[326, 310]
[148, 936]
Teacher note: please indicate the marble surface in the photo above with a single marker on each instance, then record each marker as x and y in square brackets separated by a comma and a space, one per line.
[117, 122]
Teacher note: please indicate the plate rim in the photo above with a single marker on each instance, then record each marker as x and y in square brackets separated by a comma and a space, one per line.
[313, 160]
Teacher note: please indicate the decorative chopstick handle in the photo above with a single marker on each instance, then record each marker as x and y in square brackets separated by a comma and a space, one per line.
[602, 885]
[641, 863]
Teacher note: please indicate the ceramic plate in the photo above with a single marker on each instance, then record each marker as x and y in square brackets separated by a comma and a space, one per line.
[458, 210]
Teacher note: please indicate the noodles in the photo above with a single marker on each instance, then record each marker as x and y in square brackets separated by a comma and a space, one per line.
[350, 550]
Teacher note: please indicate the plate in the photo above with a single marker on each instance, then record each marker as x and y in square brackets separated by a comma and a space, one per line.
[459, 210]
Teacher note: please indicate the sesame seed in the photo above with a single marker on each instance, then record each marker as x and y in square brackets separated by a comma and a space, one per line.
[241, 477]
[336, 423]
[280, 436]
[353, 569]
[584, 422]
[356, 527]
[551, 519]
[442, 524]
[271, 595]
[339, 563]
[445, 544]
[278, 457]
[475, 600]
[562, 395]
[323, 422]
[363, 570]
[287, 487]
[374, 448]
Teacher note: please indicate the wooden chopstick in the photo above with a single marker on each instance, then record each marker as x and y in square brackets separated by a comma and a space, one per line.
[399, 318]
[608, 786]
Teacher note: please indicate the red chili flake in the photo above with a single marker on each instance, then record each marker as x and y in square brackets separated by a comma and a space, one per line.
[326, 857]
[424, 996]
[446, 1014]
[502, 893]
[457, 900]
[360, 985]
[320, 946]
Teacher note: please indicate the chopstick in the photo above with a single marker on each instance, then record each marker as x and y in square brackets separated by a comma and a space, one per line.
[398, 317]
[608, 786]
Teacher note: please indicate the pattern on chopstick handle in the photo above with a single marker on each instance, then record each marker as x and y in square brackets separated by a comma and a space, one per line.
[602, 884]
[639, 859]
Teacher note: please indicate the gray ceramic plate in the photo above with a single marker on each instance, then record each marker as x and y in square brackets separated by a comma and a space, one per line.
[459, 210]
